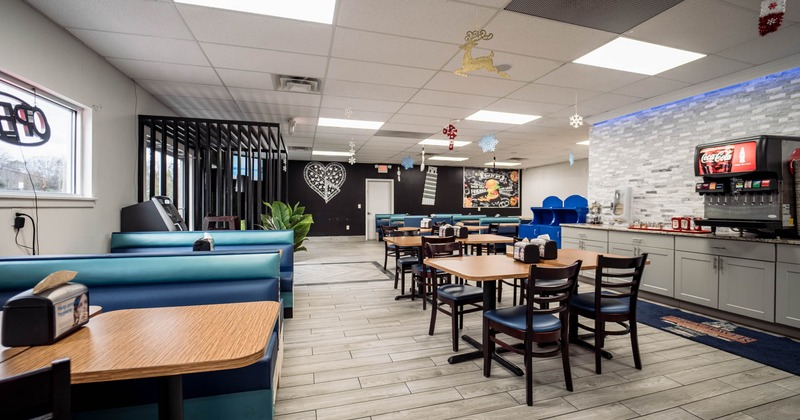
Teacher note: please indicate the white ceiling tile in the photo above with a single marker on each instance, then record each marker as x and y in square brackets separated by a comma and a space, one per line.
[357, 114]
[552, 94]
[436, 111]
[771, 47]
[368, 90]
[523, 107]
[604, 102]
[278, 109]
[256, 31]
[390, 49]
[473, 85]
[276, 97]
[140, 47]
[433, 97]
[438, 20]
[650, 87]
[359, 71]
[702, 26]
[137, 69]
[341, 102]
[413, 128]
[198, 103]
[152, 18]
[537, 37]
[581, 76]
[419, 120]
[267, 61]
[185, 89]
[706, 68]
[246, 79]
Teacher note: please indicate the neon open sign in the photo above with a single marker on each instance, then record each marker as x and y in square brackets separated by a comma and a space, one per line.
[22, 124]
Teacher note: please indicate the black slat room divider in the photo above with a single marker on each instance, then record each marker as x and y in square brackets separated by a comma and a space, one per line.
[212, 167]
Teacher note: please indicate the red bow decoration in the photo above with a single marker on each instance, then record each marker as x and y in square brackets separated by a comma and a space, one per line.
[450, 131]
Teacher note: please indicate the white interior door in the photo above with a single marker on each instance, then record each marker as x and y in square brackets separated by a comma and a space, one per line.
[380, 199]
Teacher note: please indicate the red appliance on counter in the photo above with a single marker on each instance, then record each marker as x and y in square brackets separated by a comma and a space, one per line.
[747, 184]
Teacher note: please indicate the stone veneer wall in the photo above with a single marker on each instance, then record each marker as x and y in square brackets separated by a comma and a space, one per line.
[652, 151]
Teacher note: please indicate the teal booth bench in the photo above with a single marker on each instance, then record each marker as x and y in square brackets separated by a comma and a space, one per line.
[224, 240]
[124, 281]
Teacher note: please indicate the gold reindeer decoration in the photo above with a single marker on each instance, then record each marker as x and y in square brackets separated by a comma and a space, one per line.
[471, 64]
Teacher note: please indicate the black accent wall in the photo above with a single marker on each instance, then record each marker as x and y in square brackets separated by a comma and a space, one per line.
[330, 219]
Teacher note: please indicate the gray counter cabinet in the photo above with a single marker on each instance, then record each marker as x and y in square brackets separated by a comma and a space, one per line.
[659, 274]
[787, 286]
[733, 276]
[586, 239]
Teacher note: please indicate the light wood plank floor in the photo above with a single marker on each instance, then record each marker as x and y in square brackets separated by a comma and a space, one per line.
[353, 352]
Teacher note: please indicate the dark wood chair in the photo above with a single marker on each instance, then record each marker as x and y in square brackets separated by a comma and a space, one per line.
[455, 296]
[623, 276]
[389, 250]
[425, 280]
[548, 292]
[42, 393]
[405, 258]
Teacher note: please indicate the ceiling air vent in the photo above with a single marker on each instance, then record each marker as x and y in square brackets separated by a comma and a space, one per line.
[296, 83]
[299, 149]
[517, 159]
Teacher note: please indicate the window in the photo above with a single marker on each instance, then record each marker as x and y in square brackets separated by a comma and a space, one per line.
[38, 141]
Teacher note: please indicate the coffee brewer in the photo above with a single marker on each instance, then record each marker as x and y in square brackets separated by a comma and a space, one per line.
[747, 184]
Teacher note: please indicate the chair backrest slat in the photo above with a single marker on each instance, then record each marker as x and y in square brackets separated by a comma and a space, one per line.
[547, 286]
[629, 268]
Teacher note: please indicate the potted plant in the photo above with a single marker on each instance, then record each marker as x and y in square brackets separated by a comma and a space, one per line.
[284, 217]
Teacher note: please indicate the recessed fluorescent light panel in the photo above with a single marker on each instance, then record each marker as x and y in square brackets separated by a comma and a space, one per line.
[320, 11]
[583, 143]
[448, 158]
[342, 123]
[502, 163]
[502, 117]
[329, 153]
[435, 142]
[637, 57]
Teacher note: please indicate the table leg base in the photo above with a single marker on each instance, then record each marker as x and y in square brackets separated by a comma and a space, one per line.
[580, 342]
[458, 358]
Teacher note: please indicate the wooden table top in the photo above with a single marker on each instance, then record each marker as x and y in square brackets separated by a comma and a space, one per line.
[496, 267]
[482, 238]
[151, 342]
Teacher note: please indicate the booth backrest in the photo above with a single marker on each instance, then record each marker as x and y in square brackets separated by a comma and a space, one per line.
[224, 240]
[121, 281]
[490, 220]
[412, 221]
[442, 219]
[461, 217]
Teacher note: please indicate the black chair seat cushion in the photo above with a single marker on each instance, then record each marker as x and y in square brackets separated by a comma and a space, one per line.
[460, 292]
[417, 269]
[585, 302]
[514, 317]
[407, 261]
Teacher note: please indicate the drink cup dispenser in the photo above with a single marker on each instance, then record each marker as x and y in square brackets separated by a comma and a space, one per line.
[621, 206]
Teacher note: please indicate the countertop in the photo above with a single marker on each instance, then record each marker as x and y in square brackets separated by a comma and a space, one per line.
[726, 236]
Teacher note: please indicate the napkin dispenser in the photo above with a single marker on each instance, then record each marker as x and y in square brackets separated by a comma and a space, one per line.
[39, 319]
[425, 222]
[526, 252]
[461, 232]
[548, 250]
[446, 230]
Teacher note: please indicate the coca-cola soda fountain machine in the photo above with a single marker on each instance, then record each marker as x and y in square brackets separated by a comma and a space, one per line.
[747, 184]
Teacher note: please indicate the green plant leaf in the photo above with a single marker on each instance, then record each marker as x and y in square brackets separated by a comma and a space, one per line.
[285, 217]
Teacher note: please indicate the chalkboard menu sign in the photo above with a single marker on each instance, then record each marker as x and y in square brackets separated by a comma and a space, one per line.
[497, 188]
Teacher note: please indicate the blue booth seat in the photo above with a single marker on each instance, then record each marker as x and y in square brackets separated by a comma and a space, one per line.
[224, 240]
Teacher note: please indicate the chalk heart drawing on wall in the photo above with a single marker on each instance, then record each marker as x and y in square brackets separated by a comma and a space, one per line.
[325, 180]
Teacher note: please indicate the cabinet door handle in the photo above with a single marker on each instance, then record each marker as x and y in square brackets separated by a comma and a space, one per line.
[718, 247]
[715, 264]
[636, 240]
[721, 269]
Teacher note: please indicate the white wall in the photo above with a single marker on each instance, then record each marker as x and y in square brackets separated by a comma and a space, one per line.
[560, 180]
[39, 52]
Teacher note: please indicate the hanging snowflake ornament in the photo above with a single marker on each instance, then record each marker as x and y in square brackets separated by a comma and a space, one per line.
[398, 174]
[352, 160]
[422, 164]
[348, 112]
[488, 143]
[576, 120]
[450, 131]
[571, 158]
[407, 163]
[285, 165]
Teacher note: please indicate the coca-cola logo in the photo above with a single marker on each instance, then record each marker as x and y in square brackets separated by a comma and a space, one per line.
[716, 157]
